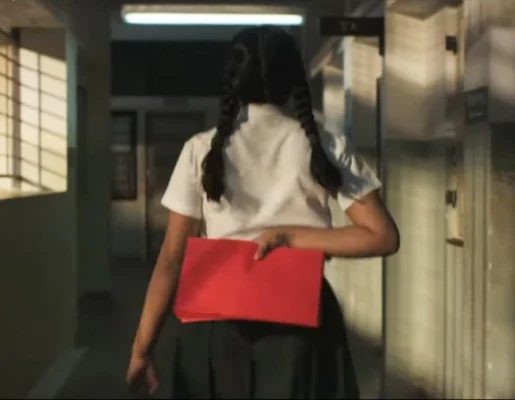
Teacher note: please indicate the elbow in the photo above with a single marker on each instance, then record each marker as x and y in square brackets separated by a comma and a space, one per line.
[390, 241]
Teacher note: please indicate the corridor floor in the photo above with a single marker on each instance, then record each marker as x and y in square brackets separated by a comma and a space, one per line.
[100, 374]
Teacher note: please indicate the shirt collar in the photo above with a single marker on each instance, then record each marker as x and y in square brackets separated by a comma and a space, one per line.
[257, 112]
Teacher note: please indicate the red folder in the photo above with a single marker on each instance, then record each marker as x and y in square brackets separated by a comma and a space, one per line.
[220, 280]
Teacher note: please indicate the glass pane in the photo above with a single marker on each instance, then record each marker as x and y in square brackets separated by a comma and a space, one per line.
[123, 140]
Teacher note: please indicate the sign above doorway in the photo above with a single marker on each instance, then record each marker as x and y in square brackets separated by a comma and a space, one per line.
[349, 26]
[353, 26]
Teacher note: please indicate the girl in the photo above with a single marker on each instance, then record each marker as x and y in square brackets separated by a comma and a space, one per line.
[263, 175]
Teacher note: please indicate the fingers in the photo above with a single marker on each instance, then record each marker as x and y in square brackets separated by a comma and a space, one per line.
[135, 381]
[152, 380]
[267, 242]
[263, 249]
[141, 386]
[260, 252]
[143, 381]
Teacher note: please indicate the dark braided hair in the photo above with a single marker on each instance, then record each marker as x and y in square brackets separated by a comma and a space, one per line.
[265, 66]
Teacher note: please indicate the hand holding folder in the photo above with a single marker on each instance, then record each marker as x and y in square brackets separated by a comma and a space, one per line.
[220, 280]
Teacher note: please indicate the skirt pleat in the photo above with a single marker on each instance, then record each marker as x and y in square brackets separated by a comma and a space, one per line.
[254, 360]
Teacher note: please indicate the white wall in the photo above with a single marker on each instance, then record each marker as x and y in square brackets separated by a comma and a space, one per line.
[38, 239]
[415, 103]
[500, 314]
[450, 320]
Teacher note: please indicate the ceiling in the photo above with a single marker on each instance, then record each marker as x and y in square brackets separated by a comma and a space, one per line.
[122, 31]
[25, 13]
[32, 13]
[116, 4]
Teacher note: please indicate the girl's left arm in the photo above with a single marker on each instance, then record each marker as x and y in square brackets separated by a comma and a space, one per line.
[373, 233]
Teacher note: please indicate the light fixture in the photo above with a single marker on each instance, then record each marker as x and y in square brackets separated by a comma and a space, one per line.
[239, 19]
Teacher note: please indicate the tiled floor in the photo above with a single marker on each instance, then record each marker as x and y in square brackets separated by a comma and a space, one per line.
[100, 374]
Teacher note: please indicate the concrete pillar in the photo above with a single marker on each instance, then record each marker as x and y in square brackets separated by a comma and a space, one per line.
[90, 28]
[415, 103]
[449, 322]
[489, 62]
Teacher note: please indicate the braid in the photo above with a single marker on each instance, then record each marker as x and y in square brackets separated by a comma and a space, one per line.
[325, 173]
[283, 74]
[265, 66]
[213, 164]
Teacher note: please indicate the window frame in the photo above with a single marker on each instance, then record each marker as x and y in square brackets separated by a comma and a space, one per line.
[117, 195]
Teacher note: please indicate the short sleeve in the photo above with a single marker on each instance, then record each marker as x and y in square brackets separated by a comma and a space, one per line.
[358, 179]
[183, 194]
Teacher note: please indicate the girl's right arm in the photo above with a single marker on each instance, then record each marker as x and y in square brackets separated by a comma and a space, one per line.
[163, 282]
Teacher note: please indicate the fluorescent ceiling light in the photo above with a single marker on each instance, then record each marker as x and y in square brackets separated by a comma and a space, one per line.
[167, 18]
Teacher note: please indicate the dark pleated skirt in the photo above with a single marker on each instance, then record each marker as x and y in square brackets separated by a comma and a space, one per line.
[253, 360]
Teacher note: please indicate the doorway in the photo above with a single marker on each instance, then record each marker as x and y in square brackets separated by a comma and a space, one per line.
[166, 133]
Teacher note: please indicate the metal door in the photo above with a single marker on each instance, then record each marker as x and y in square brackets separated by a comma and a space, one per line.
[166, 134]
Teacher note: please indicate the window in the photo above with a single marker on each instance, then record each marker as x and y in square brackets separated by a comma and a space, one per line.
[123, 150]
[5, 113]
[33, 113]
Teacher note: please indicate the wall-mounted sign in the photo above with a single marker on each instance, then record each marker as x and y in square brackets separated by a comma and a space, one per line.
[347, 26]
[476, 105]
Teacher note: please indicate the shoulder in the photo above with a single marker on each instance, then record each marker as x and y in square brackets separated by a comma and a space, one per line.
[199, 144]
[201, 140]
[193, 152]
[336, 145]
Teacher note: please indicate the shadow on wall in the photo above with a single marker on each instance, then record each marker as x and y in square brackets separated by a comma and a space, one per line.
[491, 61]
[501, 278]
[415, 189]
[33, 140]
[416, 172]
[422, 331]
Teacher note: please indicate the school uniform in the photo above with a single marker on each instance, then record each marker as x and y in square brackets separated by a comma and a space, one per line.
[268, 183]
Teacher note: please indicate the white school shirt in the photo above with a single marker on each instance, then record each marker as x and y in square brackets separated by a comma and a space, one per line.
[267, 177]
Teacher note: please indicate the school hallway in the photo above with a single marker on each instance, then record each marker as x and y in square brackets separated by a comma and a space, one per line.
[97, 99]
[99, 374]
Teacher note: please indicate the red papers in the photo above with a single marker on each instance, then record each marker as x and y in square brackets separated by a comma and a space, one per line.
[220, 280]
